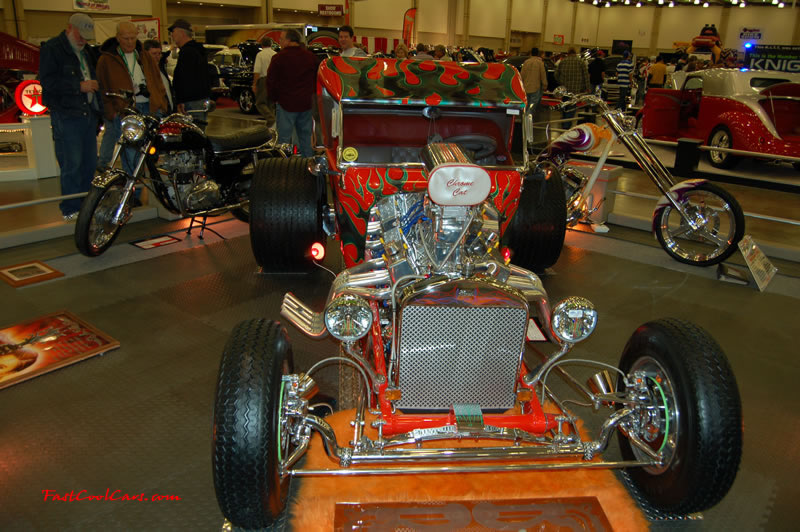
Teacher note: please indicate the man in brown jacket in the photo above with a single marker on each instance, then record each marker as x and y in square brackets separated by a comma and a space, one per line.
[123, 65]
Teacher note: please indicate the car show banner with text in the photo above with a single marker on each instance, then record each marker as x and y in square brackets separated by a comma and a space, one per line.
[91, 5]
[773, 57]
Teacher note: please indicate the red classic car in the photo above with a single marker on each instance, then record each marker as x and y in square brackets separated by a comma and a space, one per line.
[752, 110]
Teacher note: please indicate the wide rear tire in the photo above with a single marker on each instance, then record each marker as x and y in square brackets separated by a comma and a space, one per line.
[696, 421]
[245, 454]
[536, 232]
[285, 214]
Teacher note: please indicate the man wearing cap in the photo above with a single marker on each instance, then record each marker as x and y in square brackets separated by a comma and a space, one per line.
[69, 89]
[190, 79]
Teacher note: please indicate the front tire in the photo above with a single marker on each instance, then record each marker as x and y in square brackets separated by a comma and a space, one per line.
[536, 232]
[722, 226]
[694, 416]
[285, 214]
[248, 435]
[721, 138]
[94, 229]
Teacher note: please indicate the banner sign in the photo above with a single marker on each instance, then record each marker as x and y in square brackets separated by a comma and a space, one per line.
[558, 39]
[773, 57]
[408, 25]
[331, 10]
[750, 34]
[91, 5]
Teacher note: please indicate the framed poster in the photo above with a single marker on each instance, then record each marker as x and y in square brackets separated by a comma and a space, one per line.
[149, 28]
[44, 344]
[28, 273]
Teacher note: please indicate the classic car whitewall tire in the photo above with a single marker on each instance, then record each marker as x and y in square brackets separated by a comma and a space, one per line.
[246, 437]
[698, 410]
[536, 232]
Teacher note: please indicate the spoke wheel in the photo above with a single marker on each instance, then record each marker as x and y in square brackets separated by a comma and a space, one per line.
[95, 229]
[720, 226]
[721, 138]
[246, 101]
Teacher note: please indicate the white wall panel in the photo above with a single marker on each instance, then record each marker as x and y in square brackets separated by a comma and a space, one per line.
[627, 23]
[683, 23]
[381, 14]
[559, 21]
[432, 16]
[586, 25]
[776, 25]
[526, 15]
[487, 18]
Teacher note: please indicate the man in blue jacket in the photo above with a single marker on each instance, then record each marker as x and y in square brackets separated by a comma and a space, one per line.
[69, 89]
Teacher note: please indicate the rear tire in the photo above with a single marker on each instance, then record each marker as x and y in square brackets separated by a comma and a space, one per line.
[94, 232]
[721, 138]
[285, 214]
[536, 232]
[695, 417]
[245, 454]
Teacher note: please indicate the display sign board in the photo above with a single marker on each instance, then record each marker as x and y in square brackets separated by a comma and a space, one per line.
[759, 265]
[558, 39]
[331, 10]
[31, 348]
[28, 97]
[148, 28]
[750, 34]
[773, 57]
[91, 5]
[28, 273]
[621, 45]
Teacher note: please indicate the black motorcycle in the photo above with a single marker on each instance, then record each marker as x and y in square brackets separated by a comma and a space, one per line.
[190, 173]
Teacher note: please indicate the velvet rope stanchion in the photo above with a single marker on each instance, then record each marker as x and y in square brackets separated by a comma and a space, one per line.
[313, 505]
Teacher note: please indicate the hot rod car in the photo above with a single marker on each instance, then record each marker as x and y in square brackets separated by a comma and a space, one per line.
[434, 317]
[756, 110]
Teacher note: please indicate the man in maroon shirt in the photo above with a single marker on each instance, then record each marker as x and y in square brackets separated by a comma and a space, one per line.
[291, 80]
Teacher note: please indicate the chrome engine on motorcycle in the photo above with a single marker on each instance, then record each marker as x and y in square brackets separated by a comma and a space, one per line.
[192, 188]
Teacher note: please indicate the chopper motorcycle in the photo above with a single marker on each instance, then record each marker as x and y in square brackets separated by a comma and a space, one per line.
[190, 173]
[695, 221]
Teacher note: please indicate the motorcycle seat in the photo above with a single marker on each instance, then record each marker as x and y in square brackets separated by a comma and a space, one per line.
[245, 138]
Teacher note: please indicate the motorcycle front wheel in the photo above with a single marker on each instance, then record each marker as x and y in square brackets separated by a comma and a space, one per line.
[721, 226]
[94, 230]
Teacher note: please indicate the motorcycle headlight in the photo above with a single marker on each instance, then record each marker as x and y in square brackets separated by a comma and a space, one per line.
[132, 128]
[348, 317]
[574, 319]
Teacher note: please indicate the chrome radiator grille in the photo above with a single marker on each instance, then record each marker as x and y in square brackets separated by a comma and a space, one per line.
[459, 355]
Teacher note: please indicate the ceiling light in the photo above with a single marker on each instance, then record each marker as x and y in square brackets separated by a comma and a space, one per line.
[594, 2]
[696, 2]
[608, 4]
[734, 2]
[638, 4]
[627, 2]
[705, 4]
[671, 3]
[781, 4]
[741, 4]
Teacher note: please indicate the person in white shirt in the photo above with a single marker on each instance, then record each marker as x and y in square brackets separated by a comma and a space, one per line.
[265, 107]
[346, 35]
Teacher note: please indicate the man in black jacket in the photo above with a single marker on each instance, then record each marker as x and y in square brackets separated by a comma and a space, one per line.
[190, 79]
[69, 89]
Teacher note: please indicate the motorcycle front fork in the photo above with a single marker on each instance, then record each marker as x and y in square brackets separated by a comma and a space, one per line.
[119, 215]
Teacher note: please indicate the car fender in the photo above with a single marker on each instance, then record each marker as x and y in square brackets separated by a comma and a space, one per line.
[744, 127]
[678, 192]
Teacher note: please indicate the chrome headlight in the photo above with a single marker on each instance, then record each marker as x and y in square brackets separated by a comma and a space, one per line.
[132, 128]
[348, 317]
[574, 319]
